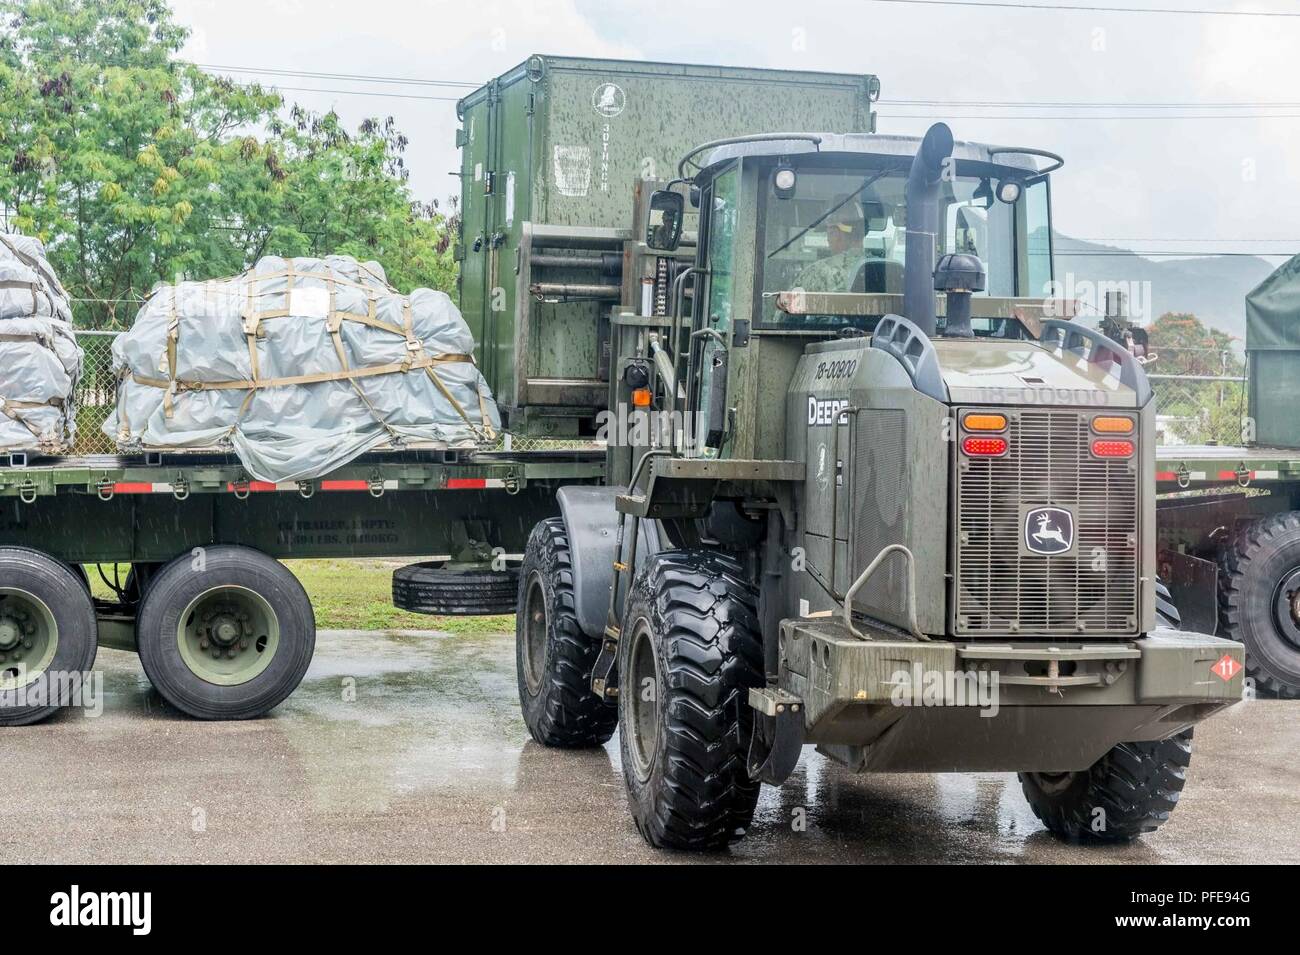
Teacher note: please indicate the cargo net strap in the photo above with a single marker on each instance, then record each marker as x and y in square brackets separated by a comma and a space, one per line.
[416, 359]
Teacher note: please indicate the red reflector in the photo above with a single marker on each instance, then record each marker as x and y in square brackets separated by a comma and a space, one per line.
[129, 487]
[1112, 449]
[984, 447]
[465, 483]
[344, 485]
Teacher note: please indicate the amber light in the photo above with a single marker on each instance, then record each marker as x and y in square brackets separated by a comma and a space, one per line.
[984, 447]
[984, 422]
[1112, 449]
[641, 398]
[1105, 425]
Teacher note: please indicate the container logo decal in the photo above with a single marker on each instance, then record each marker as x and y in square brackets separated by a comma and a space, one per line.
[608, 99]
[1049, 530]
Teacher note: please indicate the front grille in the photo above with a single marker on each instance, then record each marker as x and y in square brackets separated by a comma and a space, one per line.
[1004, 589]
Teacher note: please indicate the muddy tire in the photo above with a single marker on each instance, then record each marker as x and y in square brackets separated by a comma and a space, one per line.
[228, 638]
[48, 635]
[553, 656]
[1129, 791]
[1259, 602]
[434, 588]
[689, 651]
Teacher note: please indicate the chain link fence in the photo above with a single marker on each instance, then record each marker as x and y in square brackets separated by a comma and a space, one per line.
[96, 393]
[1200, 396]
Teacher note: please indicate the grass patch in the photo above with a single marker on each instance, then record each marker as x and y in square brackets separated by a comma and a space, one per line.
[354, 595]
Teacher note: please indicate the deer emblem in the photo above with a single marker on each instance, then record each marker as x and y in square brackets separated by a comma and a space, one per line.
[1055, 531]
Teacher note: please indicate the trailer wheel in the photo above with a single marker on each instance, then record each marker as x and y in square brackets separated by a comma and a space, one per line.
[227, 636]
[1129, 791]
[553, 656]
[1259, 601]
[436, 587]
[689, 651]
[47, 627]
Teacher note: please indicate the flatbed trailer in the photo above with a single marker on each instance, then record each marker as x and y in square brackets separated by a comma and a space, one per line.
[1229, 548]
[206, 597]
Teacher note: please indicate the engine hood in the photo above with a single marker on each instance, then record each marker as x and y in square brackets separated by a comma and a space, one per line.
[985, 371]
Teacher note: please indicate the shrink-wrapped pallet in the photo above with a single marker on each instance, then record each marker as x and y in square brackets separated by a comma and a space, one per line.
[40, 363]
[298, 366]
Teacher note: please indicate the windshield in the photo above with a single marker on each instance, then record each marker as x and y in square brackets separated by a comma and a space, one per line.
[843, 230]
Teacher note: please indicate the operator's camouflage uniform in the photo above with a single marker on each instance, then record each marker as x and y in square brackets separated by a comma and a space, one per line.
[835, 273]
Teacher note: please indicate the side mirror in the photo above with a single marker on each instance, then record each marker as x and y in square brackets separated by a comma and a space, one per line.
[663, 230]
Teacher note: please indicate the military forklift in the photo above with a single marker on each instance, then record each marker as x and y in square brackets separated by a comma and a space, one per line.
[909, 520]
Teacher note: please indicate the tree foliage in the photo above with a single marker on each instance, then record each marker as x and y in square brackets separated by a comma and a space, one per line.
[1197, 412]
[136, 167]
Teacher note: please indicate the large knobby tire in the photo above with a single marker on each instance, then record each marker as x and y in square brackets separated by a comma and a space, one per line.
[1259, 602]
[553, 656]
[1129, 791]
[48, 635]
[225, 634]
[689, 650]
[434, 587]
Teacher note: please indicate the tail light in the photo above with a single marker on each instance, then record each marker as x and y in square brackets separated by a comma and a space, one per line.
[1112, 449]
[984, 447]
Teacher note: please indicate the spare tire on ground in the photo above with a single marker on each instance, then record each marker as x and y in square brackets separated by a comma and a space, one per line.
[442, 587]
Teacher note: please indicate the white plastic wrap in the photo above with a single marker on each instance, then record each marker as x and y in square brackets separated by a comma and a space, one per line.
[40, 362]
[299, 366]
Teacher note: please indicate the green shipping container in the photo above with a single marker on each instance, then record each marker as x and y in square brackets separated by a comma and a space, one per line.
[560, 144]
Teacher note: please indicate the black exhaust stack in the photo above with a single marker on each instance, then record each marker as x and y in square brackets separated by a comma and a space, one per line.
[923, 226]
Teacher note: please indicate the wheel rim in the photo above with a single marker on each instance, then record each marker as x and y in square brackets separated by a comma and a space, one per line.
[228, 635]
[643, 714]
[535, 625]
[29, 638]
[1286, 607]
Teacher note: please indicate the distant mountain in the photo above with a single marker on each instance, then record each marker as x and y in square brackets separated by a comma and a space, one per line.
[1213, 288]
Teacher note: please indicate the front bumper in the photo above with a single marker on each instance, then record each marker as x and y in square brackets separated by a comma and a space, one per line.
[893, 702]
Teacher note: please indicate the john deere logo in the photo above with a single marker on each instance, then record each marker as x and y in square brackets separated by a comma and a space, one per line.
[1049, 530]
[608, 99]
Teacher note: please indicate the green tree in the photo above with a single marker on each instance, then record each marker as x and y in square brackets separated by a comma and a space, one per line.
[135, 167]
[1199, 412]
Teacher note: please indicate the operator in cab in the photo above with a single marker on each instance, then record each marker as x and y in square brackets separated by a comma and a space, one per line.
[839, 268]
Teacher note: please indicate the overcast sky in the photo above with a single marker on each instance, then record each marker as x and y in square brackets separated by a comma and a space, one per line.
[1155, 179]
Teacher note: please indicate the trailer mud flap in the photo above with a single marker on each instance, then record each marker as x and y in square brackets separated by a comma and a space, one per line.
[1194, 587]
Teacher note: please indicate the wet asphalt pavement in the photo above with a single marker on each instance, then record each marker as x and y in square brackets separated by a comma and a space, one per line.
[431, 763]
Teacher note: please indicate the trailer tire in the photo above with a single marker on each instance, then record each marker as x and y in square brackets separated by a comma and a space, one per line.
[553, 656]
[1259, 602]
[205, 629]
[1129, 791]
[689, 651]
[434, 588]
[48, 598]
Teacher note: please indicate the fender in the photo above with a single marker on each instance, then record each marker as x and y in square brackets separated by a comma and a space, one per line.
[592, 525]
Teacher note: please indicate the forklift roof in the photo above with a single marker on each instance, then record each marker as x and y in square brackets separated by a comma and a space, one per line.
[795, 144]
